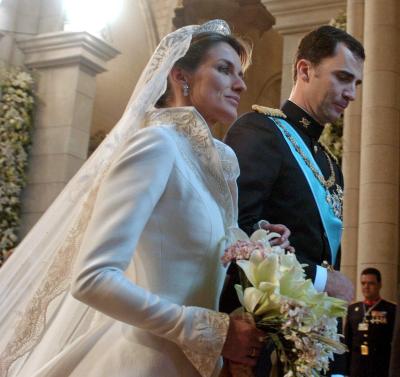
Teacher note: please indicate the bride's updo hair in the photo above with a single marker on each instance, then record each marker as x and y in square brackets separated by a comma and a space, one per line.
[198, 49]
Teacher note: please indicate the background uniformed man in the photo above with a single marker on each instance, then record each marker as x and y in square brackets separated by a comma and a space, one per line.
[369, 329]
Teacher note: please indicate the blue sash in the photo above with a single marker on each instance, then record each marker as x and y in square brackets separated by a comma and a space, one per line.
[332, 224]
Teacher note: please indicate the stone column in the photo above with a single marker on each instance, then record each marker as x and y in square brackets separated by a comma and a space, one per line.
[351, 155]
[66, 65]
[294, 18]
[379, 175]
[17, 18]
[51, 16]
[8, 17]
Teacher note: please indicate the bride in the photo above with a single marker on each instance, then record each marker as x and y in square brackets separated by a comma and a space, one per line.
[121, 276]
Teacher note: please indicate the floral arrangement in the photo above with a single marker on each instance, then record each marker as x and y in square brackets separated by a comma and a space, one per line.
[299, 320]
[332, 139]
[95, 140]
[16, 107]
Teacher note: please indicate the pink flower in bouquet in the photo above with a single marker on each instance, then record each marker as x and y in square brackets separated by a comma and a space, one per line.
[300, 321]
[242, 250]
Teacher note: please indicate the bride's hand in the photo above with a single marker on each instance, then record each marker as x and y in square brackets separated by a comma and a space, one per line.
[244, 341]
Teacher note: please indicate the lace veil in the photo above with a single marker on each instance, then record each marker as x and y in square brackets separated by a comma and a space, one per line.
[34, 298]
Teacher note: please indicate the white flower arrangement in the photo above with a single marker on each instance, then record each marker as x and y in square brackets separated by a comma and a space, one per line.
[299, 320]
[16, 107]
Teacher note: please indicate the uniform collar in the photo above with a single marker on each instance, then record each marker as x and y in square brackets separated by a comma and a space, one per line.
[302, 120]
[372, 302]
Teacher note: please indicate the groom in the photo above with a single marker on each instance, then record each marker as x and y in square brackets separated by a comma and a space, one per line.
[281, 160]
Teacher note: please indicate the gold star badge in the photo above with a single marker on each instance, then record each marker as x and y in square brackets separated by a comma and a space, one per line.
[305, 122]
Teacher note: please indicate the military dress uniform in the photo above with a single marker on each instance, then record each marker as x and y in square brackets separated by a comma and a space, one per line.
[394, 369]
[368, 335]
[273, 187]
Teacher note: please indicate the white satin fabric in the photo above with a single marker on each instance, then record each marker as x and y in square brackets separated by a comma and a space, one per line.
[150, 259]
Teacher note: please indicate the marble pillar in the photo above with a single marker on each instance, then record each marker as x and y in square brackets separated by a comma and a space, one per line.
[351, 155]
[66, 64]
[378, 238]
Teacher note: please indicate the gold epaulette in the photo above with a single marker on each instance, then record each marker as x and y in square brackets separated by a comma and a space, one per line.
[277, 113]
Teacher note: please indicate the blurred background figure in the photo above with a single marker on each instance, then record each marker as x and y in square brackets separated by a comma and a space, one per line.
[369, 329]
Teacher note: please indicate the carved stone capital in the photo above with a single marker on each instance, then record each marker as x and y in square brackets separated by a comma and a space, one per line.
[242, 15]
[300, 16]
[66, 48]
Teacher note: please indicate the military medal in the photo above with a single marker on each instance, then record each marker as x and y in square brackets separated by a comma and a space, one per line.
[378, 317]
[305, 122]
[364, 349]
[335, 200]
[363, 326]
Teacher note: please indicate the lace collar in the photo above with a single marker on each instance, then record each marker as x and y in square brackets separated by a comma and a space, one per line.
[186, 120]
[211, 156]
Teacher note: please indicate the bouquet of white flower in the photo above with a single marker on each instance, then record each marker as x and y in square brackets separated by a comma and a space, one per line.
[300, 321]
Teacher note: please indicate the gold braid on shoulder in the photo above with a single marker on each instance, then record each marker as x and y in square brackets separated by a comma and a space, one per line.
[278, 113]
[269, 111]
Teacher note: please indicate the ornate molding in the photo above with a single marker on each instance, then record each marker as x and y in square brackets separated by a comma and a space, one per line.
[65, 48]
[275, 78]
[243, 15]
[299, 16]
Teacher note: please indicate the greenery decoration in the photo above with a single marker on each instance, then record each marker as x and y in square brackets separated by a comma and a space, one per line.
[332, 138]
[16, 120]
[95, 140]
[340, 21]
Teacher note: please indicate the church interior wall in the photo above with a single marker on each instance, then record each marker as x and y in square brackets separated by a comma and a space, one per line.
[263, 78]
[135, 33]
[130, 35]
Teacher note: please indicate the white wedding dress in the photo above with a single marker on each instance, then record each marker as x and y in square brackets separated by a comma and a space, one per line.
[149, 262]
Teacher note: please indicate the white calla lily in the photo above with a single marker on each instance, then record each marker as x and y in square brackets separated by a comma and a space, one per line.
[285, 304]
[238, 234]
[251, 298]
[263, 236]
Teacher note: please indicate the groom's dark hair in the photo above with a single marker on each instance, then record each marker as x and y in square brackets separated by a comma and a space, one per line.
[322, 42]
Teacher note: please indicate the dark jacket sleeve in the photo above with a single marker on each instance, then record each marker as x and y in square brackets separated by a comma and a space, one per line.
[260, 157]
[348, 339]
[394, 370]
[260, 149]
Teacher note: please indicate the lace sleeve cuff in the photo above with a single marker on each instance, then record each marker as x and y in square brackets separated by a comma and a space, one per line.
[208, 337]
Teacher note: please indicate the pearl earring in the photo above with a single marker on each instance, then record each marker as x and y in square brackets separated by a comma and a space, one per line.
[185, 89]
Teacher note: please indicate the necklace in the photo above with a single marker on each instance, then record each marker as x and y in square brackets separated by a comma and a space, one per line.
[334, 198]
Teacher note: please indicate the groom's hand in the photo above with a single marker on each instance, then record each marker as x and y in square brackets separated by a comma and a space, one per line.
[283, 230]
[339, 286]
